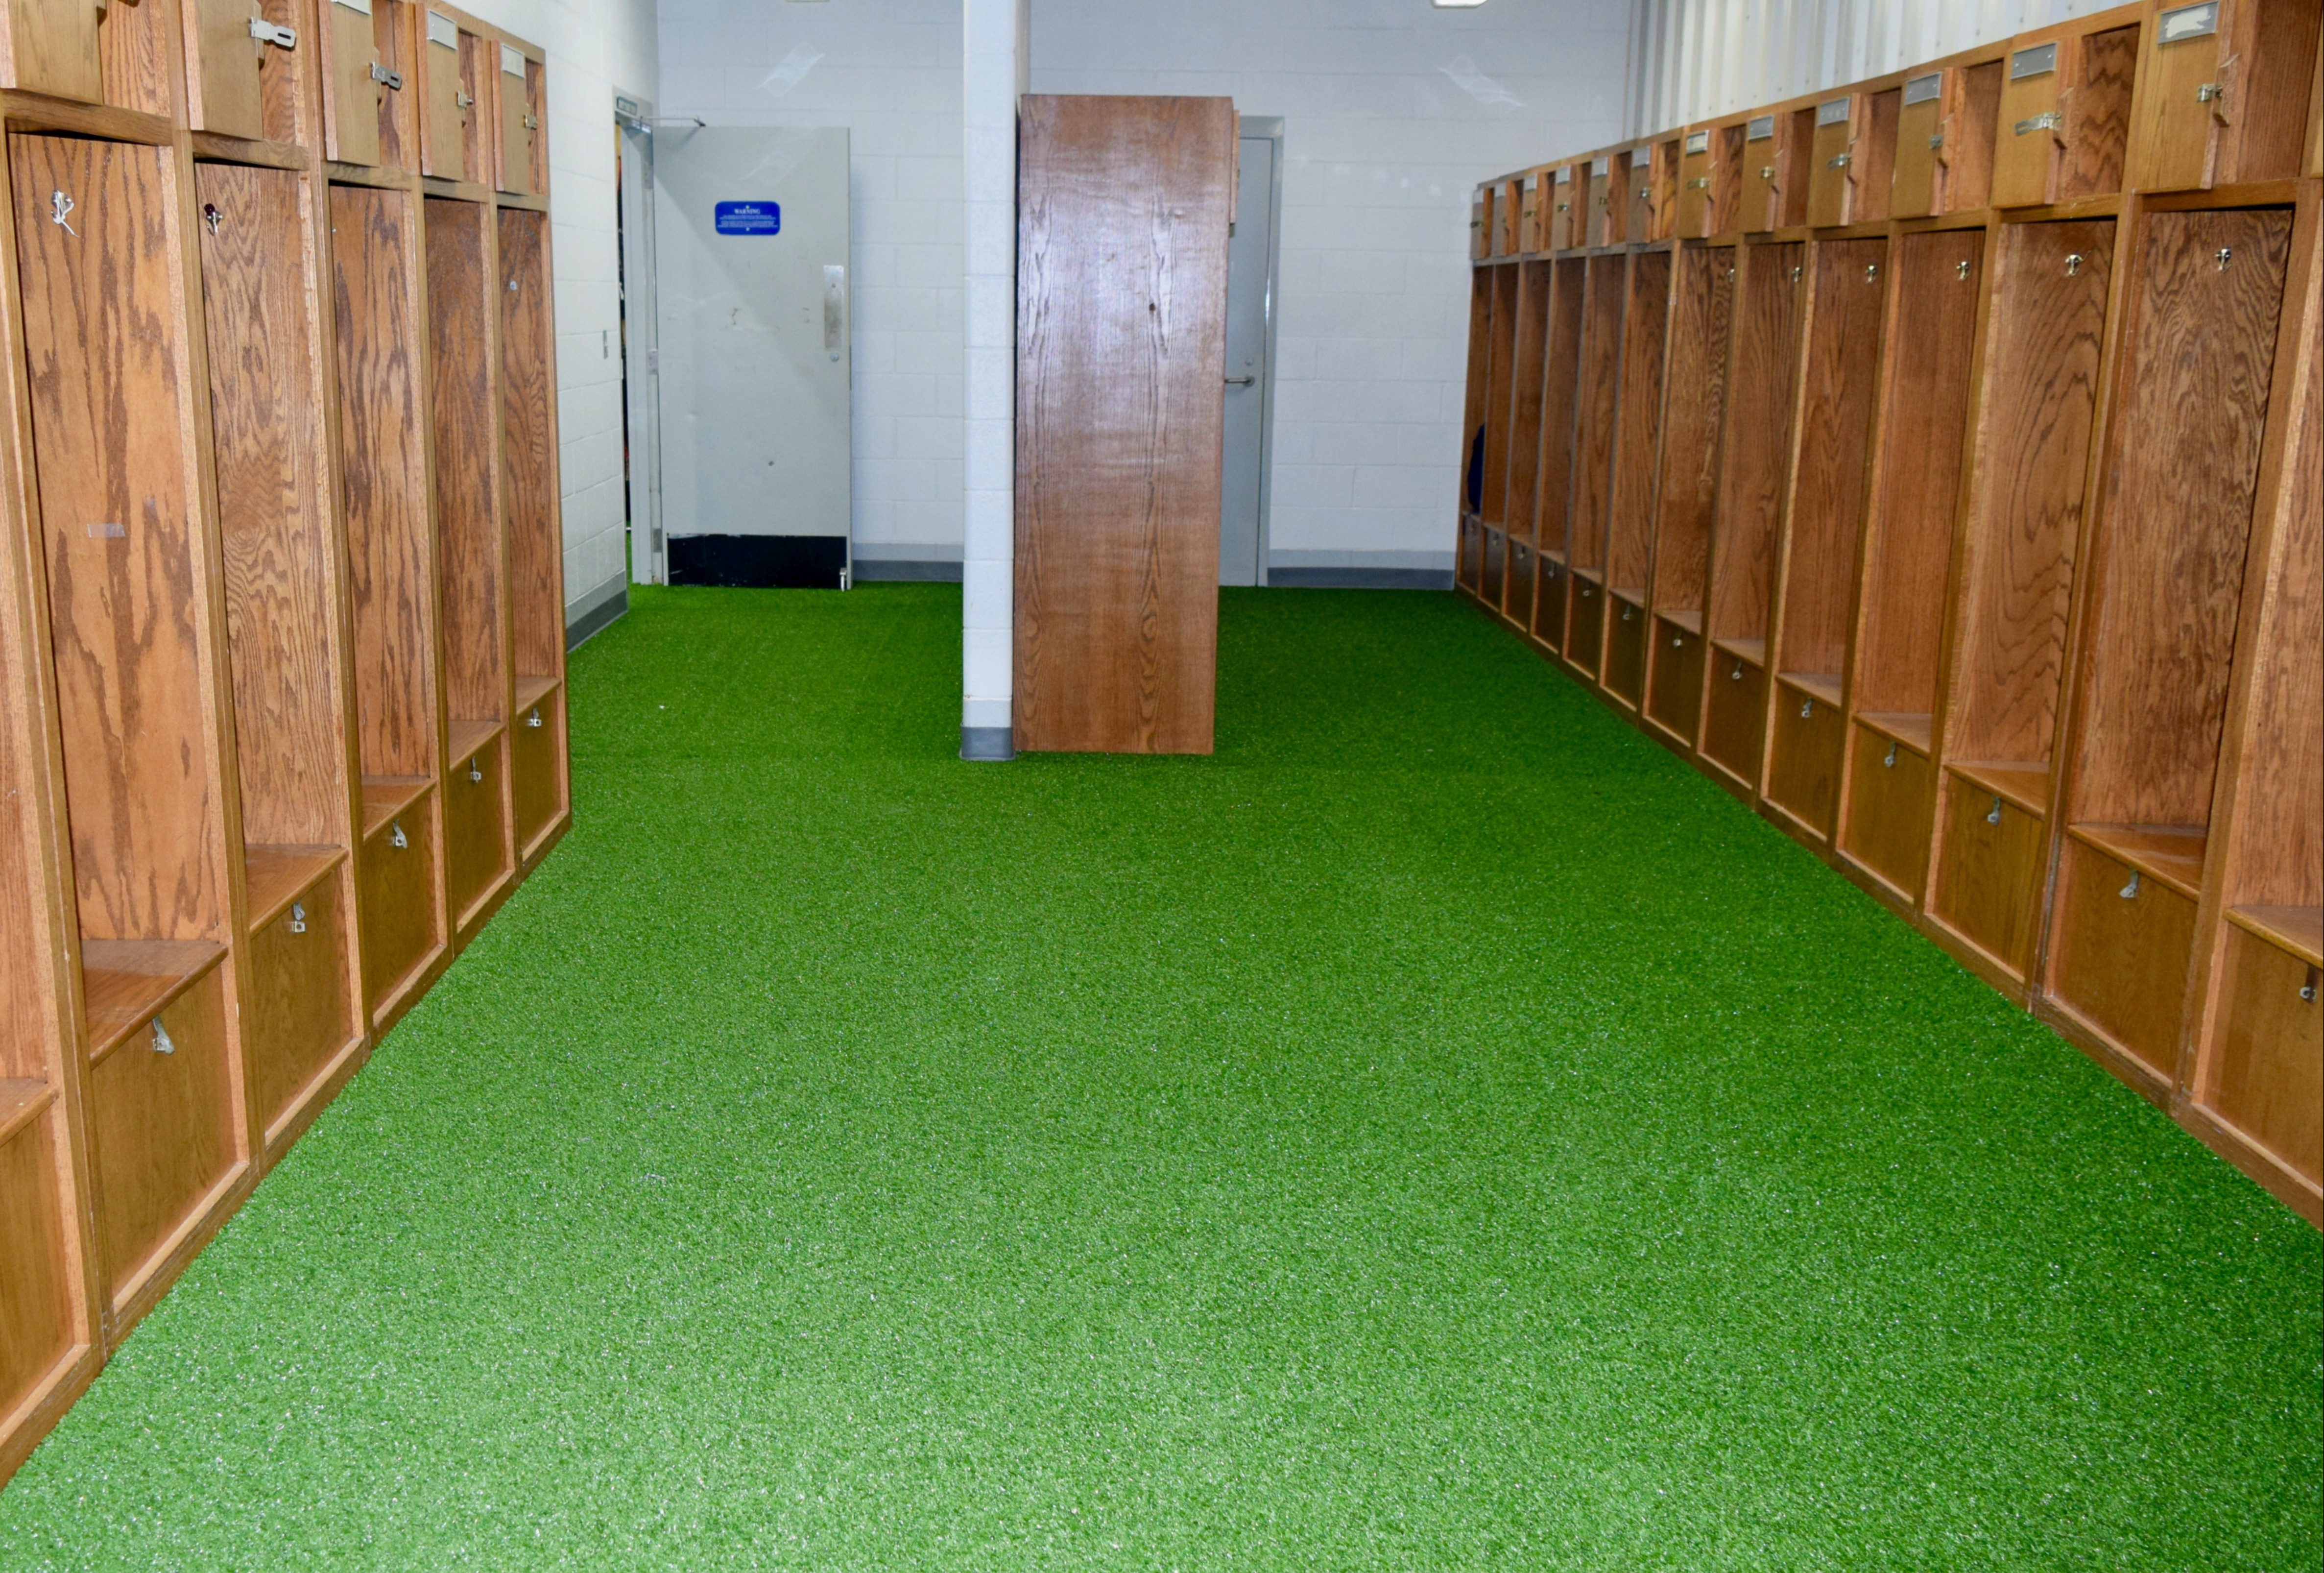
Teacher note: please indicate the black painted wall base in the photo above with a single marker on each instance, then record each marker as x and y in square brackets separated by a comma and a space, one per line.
[759, 562]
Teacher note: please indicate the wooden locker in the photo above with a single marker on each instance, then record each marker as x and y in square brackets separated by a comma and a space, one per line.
[2227, 93]
[1697, 166]
[1854, 153]
[520, 119]
[358, 77]
[51, 46]
[1774, 178]
[1120, 406]
[448, 99]
[2064, 117]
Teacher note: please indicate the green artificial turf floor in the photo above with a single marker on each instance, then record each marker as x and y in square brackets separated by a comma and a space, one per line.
[1441, 1131]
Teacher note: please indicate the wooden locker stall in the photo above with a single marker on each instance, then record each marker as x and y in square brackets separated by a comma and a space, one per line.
[1920, 435]
[1637, 443]
[2044, 340]
[2251, 1068]
[1561, 396]
[1500, 386]
[1593, 478]
[1754, 451]
[136, 642]
[2157, 638]
[536, 538]
[471, 552]
[285, 595]
[1945, 128]
[226, 673]
[385, 480]
[1701, 328]
[2228, 93]
[1701, 170]
[1815, 573]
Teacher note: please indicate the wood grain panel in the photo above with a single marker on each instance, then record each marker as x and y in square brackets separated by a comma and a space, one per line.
[528, 448]
[518, 118]
[1803, 757]
[46, 47]
[1694, 413]
[1532, 343]
[281, 610]
[2176, 514]
[476, 851]
[103, 345]
[396, 895]
[1891, 806]
[2268, 1078]
[1838, 374]
[140, 46]
[161, 1128]
[1757, 446]
[2033, 437]
[1549, 601]
[1990, 873]
[1674, 679]
[223, 61]
[1560, 401]
[352, 98]
[1735, 715]
[444, 118]
[1600, 389]
[36, 1320]
[1585, 622]
[383, 479]
[1637, 429]
[1124, 208]
[1625, 673]
[1920, 139]
[1516, 599]
[537, 763]
[1500, 390]
[1931, 344]
[2099, 116]
[296, 1012]
[2121, 961]
[471, 551]
[1972, 101]
[2278, 856]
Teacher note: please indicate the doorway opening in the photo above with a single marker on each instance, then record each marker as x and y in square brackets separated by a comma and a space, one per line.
[1252, 255]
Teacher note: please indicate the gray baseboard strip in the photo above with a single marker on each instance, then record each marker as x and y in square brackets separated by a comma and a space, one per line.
[902, 569]
[1359, 579]
[988, 743]
[579, 629]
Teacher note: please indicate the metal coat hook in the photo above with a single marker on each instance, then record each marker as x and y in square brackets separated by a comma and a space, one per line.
[475, 770]
[211, 216]
[2223, 257]
[58, 205]
[1994, 818]
[2130, 890]
[2073, 264]
[1890, 759]
[1961, 270]
[1807, 708]
[162, 1044]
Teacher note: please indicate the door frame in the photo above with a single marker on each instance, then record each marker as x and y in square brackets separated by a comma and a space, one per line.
[1269, 129]
[633, 124]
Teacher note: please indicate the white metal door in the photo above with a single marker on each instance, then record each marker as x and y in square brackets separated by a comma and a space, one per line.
[751, 264]
[1250, 352]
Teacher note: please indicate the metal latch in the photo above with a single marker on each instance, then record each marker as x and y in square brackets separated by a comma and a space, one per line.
[298, 924]
[475, 770]
[533, 719]
[463, 98]
[1995, 817]
[532, 123]
[1890, 759]
[1700, 183]
[163, 1044]
[2050, 120]
[395, 836]
[2209, 91]
[2129, 892]
[385, 78]
[265, 32]
[1840, 160]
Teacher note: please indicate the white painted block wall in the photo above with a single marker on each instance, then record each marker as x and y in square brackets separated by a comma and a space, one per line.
[595, 49]
[1393, 111]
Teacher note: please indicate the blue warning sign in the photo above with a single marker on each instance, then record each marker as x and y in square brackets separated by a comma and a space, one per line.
[748, 218]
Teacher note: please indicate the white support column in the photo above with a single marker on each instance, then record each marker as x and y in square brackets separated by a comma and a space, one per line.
[993, 64]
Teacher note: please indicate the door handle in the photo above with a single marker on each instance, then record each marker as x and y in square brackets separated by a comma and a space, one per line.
[1241, 381]
[834, 307]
